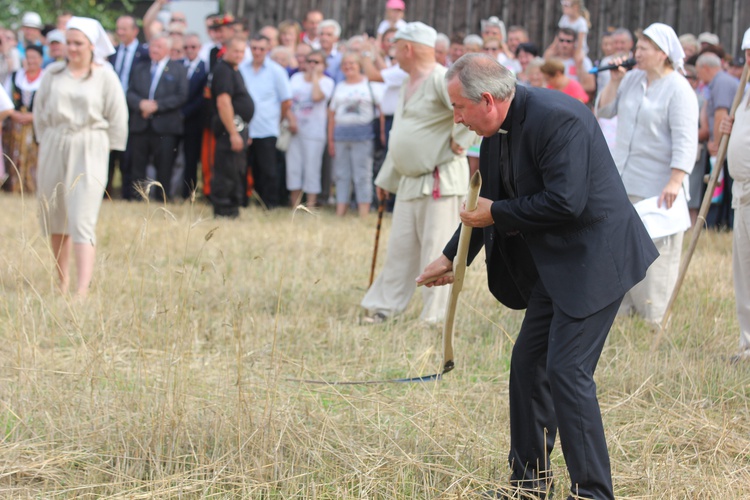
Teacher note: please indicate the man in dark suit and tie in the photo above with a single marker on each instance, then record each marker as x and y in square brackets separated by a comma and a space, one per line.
[562, 241]
[127, 55]
[192, 111]
[156, 92]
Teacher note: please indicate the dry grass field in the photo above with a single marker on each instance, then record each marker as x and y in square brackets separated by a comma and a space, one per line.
[170, 380]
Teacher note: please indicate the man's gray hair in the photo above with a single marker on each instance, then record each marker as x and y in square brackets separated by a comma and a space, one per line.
[689, 39]
[330, 23]
[473, 39]
[709, 59]
[624, 31]
[442, 38]
[480, 73]
[163, 36]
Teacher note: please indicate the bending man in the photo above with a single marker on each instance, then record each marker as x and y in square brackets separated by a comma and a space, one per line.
[562, 241]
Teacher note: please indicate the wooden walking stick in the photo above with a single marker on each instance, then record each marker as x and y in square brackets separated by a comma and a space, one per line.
[459, 271]
[381, 209]
[705, 205]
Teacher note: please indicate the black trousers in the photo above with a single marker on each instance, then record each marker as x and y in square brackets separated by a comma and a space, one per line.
[162, 148]
[261, 156]
[192, 144]
[121, 159]
[552, 389]
[229, 177]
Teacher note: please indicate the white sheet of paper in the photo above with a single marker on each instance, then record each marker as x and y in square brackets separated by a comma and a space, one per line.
[661, 222]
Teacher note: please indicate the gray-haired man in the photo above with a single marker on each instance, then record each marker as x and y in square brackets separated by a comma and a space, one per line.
[563, 242]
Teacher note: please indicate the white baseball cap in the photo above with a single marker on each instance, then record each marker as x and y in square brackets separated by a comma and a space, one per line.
[55, 36]
[746, 40]
[709, 38]
[32, 20]
[417, 32]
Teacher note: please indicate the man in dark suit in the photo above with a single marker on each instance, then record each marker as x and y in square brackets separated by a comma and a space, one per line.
[562, 241]
[127, 55]
[192, 112]
[156, 93]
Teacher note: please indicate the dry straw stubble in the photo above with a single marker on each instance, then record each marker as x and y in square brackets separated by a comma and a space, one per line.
[168, 382]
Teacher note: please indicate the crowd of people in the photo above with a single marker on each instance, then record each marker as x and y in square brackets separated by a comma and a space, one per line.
[298, 120]
[589, 183]
[295, 114]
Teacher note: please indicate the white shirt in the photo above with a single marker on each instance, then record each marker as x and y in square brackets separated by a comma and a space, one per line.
[5, 102]
[510, 64]
[205, 53]
[26, 87]
[384, 25]
[155, 80]
[312, 117]
[393, 78]
[657, 130]
[738, 154]
[124, 62]
[315, 44]
[354, 103]
[191, 65]
[571, 70]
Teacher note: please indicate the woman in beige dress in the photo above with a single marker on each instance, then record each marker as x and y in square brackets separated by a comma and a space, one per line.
[80, 114]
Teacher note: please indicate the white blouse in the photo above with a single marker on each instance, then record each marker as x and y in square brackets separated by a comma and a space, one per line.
[657, 130]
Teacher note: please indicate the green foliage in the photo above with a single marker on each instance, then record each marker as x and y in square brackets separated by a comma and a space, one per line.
[106, 11]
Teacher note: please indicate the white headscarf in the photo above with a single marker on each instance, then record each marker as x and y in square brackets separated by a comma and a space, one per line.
[666, 39]
[746, 40]
[97, 36]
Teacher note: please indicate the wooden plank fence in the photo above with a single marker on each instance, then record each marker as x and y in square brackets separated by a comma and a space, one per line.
[727, 18]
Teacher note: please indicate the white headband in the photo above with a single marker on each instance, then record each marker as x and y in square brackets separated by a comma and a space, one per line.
[97, 36]
[666, 39]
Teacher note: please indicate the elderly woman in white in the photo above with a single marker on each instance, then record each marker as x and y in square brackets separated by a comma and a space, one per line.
[655, 149]
[80, 115]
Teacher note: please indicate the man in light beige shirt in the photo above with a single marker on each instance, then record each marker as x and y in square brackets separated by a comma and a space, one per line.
[738, 157]
[426, 167]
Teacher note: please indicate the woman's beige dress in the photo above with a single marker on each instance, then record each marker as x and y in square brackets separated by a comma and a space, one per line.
[77, 122]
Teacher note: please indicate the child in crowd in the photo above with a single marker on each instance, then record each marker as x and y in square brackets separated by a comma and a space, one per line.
[576, 16]
[394, 16]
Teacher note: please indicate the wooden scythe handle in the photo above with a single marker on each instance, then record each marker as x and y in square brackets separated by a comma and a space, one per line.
[459, 271]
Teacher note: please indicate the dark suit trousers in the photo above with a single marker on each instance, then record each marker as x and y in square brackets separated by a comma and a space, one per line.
[192, 142]
[229, 174]
[552, 389]
[261, 156]
[162, 148]
[121, 158]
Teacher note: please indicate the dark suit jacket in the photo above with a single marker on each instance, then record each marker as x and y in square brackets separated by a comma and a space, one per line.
[571, 224]
[141, 54]
[170, 94]
[193, 107]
